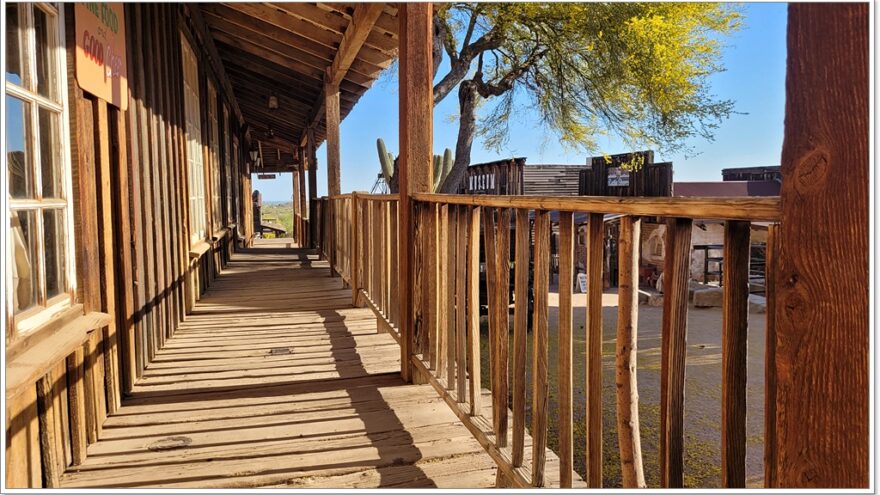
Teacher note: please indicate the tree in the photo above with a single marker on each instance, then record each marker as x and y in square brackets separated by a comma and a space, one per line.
[636, 70]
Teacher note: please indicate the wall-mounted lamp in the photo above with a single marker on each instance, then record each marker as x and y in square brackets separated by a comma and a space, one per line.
[273, 102]
[254, 154]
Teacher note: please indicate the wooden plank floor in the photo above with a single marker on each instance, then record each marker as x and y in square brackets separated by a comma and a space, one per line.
[276, 380]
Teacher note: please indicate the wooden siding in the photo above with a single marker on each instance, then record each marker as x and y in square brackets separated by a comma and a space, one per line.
[550, 180]
[134, 261]
[650, 179]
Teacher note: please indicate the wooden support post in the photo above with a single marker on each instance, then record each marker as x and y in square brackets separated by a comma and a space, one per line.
[595, 259]
[304, 240]
[674, 350]
[331, 105]
[626, 351]
[822, 326]
[313, 196]
[416, 151]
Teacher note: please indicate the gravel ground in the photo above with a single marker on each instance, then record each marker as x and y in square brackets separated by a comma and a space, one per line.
[702, 392]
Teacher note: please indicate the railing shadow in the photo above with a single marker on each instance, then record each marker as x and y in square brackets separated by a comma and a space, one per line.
[389, 456]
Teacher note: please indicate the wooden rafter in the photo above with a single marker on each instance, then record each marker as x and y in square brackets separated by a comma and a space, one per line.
[362, 21]
[213, 56]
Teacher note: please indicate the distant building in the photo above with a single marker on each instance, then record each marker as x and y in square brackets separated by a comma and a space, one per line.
[752, 174]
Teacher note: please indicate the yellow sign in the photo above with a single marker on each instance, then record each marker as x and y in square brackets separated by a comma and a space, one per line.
[100, 51]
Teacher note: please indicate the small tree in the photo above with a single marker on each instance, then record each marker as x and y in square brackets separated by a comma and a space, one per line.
[636, 70]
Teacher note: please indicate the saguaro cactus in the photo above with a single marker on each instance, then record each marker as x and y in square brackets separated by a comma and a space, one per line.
[386, 159]
[442, 165]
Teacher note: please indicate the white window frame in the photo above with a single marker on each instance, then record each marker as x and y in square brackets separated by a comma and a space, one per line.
[195, 160]
[44, 309]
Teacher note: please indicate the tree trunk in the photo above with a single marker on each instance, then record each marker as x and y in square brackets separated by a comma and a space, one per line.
[467, 102]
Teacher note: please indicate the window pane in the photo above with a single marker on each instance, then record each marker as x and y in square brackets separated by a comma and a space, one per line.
[18, 159]
[14, 42]
[50, 147]
[44, 26]
[24, 269]
[53, 232]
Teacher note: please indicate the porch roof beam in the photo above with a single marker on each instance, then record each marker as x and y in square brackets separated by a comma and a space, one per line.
[362, 21]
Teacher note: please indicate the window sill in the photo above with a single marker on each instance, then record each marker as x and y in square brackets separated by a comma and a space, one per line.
[198, 249]
[219, 235]
[58, 338]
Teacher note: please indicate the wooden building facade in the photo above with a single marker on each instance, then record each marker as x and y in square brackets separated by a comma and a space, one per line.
[125, 206]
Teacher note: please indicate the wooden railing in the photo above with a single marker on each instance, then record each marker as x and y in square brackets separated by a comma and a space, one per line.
[449, 231]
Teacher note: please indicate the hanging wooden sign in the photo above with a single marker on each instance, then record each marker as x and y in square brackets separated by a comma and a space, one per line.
[100, 51]
[265, 176]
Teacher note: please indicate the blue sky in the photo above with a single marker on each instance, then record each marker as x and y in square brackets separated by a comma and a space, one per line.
[754, 79]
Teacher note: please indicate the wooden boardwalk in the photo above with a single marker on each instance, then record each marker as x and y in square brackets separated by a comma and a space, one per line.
[276, 380]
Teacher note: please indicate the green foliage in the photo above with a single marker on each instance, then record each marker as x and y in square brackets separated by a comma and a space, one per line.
[636, 70]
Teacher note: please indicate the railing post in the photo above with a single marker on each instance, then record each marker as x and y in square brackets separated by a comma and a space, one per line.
[416, 151]
[331, 244]
[354, 262]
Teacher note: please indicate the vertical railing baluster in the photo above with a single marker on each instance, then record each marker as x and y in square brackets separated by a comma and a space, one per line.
[595, 261]
[626, 350]
[674, 349]
[448, 271]
[735, 329]
[520, 328]
[355, 250]
[566, 276]
[442, 291]
[461, 301]
[770, 442]
[376, 254]
[502, 321]
[386, 252]
[540, 347]
[473, 310]
[395, 266]
[489, 247]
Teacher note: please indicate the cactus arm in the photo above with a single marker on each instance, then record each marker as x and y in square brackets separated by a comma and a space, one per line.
[386, 160]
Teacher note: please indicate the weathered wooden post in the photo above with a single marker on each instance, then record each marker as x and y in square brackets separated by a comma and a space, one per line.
[331, 106]
[416, 151]
[821, 361]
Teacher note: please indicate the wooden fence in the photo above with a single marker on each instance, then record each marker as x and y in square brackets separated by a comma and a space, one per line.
[449, 233]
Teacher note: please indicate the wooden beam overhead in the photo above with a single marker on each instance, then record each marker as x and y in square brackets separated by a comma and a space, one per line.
[286, 43]
[329, 18]
[213, 56]
[361, 25]
[362, 21]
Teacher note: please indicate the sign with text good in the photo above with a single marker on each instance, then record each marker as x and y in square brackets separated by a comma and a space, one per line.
[100, 51]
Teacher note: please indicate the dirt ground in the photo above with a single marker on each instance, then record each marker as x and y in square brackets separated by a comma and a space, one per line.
[702, 392]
